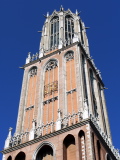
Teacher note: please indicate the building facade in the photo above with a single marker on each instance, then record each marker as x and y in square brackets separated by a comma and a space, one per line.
[62, 112]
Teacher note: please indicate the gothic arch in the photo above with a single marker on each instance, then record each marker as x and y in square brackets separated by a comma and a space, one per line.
[52, 59]
[70, 51]
[20, 156]
[69, 147]
[50, 91]
[54, 14]
[32, 68]
[9, 158]
[45, 143]
[30, 98]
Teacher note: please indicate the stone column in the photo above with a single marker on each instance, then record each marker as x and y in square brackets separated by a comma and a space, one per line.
[61, 30]
[79, 79]
[22, 103]
[106, 116]
[88, 87]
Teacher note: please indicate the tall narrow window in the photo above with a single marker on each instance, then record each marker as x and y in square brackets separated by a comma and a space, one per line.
[50, 101]
[54, 36]
[82, 145]
[69, 29]
[93, 94]
[84, 79]
[108, 157]
[98, 150]
[93, 144]
[81, 29]
[69, 148]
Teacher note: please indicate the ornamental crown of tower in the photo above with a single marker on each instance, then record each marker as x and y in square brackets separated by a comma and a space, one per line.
[62, 96]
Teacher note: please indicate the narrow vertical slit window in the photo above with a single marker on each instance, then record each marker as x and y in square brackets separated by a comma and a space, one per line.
[93, 94]
[84, 80]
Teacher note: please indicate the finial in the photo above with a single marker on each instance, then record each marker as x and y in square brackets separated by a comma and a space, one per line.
[29, 54]
[9, 133]
[61, 8]
[47, 14]
[10, 129]
[76, 12]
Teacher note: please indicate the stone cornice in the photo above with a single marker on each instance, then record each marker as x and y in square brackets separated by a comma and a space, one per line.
[83, 122]
[49, 55]
[62, 49]
[94, 126]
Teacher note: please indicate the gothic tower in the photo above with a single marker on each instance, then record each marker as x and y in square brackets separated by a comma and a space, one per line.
[62, 112]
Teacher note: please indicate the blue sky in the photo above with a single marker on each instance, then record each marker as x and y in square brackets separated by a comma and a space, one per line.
[19, 22]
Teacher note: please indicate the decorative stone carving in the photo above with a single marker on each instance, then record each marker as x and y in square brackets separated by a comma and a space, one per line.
[71, 91]
[50, 100]
[33, 71]
[69, 56]
[29, 108]
[51, 65]
[50, 88]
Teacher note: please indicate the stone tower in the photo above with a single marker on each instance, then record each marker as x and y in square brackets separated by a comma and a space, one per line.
[62, 112]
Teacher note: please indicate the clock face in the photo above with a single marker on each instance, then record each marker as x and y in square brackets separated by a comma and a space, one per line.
[50, 88]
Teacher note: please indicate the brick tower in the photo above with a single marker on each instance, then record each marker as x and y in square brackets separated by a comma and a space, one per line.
[62, 112]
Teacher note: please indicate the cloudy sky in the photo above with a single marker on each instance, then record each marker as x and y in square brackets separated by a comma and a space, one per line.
[19, 22]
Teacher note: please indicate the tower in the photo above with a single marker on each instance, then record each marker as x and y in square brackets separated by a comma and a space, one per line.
[62, 112]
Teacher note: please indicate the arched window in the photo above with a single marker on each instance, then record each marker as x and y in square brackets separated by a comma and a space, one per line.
[69, 29]
[54, 34]
[20, 156]
[69, 148]
[45, 153]
[9, 158]
[101, 107]
[108, 157]
[84, 79]
[93, 94]
[71, 83]
[30, 98]
[82, 145]
[50, 97]
[93, 144]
